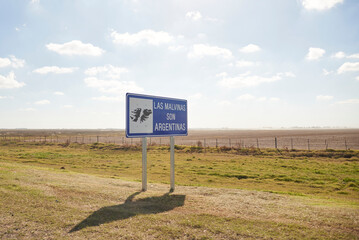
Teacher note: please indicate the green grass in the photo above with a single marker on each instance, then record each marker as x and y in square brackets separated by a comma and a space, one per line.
[92, 192]
[324, 174]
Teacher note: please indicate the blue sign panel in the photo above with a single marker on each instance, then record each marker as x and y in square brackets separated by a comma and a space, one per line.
[151, 116]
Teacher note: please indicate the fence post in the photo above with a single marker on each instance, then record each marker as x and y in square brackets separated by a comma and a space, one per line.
[275, 143]
[257, 143]
[204, 144]
[291, 143]
[97, 138]
[345, 142]
[326, 145]
[216, 143]
[308, 145]
[229, 140]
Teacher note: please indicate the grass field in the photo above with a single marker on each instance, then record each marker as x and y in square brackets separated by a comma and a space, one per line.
[92, 191]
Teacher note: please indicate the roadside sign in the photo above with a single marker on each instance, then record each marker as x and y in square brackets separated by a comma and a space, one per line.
[153, 116]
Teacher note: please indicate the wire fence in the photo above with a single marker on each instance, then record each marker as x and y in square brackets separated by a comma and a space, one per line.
[300, 143]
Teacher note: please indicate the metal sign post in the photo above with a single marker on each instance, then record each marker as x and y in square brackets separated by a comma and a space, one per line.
[152, 116]
[172, 150]
[144, 164]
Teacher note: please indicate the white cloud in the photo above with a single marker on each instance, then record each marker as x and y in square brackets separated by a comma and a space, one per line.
[357, 78]
[201, 36]
[250, 48]
[339, 55]
[204, 50]
[246, 97]
[35, 1]
[6, 97]
[106, 79]
[222, 75]
[176, 48]
[59, 93]
[18, 29]
[249, 97]
[148, 36]
[67, 106]
[274, 99]
[194, 15]
[109, 99]
[315, 53]
[107, 71]
[5, 62]
[75, 47]
[320, 5]
[356, 55]
[27, 109]
[326, 72]
[224, 103]
[54, 69]
[286, 74]
[350, 101]
[112, 86]
[348, 67]
[8, 82]
[243, 63]
[12, 62]
[213, 20]
[42, 102]
[16, 63]
[324, 97]
[248, 80]
[195, 96]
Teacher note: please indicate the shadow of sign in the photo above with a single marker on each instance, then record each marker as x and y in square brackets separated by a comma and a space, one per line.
[130, 208]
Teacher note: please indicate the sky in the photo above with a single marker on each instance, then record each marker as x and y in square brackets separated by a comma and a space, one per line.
[240, 64]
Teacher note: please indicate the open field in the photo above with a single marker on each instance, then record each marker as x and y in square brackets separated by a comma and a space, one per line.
[77, 191]
[308, 139]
